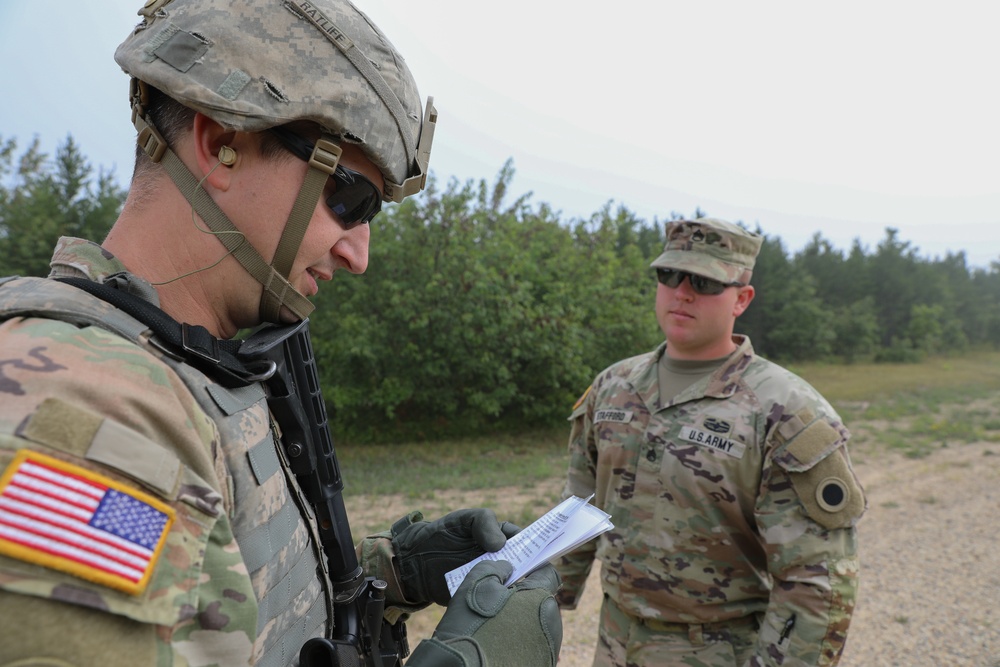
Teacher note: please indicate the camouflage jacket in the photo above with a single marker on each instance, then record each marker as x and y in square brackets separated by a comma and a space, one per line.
[194, 546]
[736, 498]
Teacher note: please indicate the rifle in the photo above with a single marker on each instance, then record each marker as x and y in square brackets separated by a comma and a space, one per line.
[361, 636]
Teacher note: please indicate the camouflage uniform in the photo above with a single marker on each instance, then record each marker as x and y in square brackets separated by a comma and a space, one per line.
[233, 579]
[734, 507]
[147, 515]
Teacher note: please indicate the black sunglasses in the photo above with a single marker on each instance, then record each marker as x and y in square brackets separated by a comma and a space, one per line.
[355, 200]
[700, 284]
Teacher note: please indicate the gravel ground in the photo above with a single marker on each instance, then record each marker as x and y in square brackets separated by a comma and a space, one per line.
[930, 580]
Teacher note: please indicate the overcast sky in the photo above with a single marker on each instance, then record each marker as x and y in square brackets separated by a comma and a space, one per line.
[838, 118]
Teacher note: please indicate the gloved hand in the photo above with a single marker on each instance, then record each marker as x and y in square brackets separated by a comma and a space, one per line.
[427, 550]
[490, 625]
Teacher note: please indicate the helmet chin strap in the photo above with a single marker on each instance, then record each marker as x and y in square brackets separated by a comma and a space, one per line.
[278, 291]
[322, 163]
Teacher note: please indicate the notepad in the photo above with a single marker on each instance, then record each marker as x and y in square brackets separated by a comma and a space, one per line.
[569, 524]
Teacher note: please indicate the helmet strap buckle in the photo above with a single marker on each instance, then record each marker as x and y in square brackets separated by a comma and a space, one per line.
[150, 140]
[325, 156]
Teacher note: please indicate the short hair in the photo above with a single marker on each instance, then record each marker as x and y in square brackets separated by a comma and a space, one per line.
[172, 120]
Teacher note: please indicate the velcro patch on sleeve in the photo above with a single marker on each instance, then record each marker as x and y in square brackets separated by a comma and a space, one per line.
[812, 444]
[816, 460]
[67, 518]
[830, 492]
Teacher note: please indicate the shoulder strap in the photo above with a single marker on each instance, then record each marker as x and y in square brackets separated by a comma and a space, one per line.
[193, 342]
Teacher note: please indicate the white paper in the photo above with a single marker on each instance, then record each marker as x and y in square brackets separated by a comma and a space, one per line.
[563, 528]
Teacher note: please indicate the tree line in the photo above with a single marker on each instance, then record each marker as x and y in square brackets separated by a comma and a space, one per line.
[484, 312]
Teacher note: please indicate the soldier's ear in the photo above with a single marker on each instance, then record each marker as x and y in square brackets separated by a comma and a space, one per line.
[208, 139]
[744, 296]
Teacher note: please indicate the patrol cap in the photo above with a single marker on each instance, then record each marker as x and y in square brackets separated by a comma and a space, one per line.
[256, 64]
[709, 247]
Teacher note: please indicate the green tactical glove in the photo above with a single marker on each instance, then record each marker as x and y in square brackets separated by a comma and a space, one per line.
[490, 625]
[427, 550]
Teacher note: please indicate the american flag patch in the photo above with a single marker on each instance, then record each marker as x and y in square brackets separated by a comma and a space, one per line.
[70, 519]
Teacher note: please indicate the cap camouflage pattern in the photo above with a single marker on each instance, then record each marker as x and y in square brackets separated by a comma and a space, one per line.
[261, 63]
[709, 247]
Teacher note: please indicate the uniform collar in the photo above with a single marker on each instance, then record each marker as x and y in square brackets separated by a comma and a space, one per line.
[723, 383]
[80, 258]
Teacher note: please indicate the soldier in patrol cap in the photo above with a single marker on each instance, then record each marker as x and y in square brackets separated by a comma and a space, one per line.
[148, 515]
[727, 478]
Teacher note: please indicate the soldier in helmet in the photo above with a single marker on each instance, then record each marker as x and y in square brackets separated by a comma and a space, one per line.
[148, 515]
[727, 478]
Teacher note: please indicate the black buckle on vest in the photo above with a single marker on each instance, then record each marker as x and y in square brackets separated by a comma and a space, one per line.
[196, 340]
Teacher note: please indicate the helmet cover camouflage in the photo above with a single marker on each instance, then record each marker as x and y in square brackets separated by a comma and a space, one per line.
[257, 64]
[709, 247]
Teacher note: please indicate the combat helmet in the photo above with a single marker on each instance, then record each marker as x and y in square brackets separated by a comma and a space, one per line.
[259, 64]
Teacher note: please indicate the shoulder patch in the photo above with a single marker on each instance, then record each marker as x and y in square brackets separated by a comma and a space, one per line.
[830, 492]
[67, 518]
[820, 471]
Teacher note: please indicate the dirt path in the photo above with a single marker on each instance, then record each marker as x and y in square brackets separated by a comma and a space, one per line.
[930, 588]
[930, 557]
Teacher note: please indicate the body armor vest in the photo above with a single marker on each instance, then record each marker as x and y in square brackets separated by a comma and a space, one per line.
[271, 521]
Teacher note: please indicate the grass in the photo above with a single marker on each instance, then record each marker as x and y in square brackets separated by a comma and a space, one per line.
[909, 408]
[975, 372]
[915, 408]
[420, 469]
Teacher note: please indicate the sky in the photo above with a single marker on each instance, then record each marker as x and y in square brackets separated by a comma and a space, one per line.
[838, 119]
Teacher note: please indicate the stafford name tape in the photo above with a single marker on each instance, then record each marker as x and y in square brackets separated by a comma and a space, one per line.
[619, 416]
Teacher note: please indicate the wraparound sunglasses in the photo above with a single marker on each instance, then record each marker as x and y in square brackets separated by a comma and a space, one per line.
[355, 200]
[700, 284]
